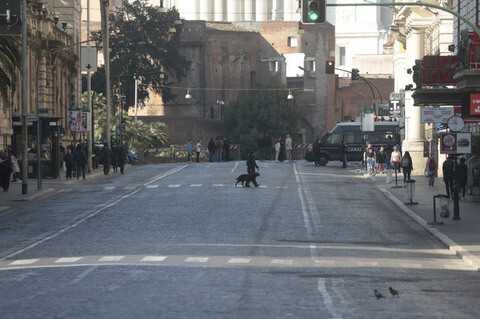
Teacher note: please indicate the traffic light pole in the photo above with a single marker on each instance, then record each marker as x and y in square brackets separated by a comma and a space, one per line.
[369, 85]
[420, 4]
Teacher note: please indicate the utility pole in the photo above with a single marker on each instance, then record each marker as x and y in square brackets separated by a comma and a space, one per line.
[106, 50]
[89, 95]
[24, 100]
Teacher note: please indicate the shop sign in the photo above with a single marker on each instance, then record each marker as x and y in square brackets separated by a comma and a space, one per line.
[437, 70]
[474, 104]
[456, 143]
[436, 114]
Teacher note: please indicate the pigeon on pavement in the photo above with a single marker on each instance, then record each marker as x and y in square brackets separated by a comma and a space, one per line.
[393, 292]
[378, 295]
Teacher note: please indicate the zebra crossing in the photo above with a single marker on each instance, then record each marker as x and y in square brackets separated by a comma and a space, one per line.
[156, 186]
[235, 261]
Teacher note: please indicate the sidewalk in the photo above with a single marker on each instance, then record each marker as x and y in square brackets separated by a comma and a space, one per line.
[49, 186]
[460, 236]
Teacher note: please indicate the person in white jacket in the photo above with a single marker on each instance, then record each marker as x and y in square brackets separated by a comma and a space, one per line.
[277, 150]
[288, 148]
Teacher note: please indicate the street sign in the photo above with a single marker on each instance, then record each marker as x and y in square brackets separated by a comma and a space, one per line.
[31, 118]
[89, 59]
[10, 13]
[436, 114]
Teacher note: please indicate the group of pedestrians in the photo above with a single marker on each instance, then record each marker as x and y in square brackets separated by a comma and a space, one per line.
[75, 159]
[455, 174]
[217, 150]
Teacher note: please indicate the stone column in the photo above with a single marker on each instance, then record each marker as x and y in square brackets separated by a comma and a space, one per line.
[290, 10]
[232, 10]
[206, 9]
[261, 10]
[219, 14]
[414, 129]
[248, 10]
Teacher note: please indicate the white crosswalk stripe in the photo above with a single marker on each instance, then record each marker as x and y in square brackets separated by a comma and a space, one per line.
[68, 260]
[196, 259]
[154, 258]
[24, 262]
[152, 186]
[111, 258]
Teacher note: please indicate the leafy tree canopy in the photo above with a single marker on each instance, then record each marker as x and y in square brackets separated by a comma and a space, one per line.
[263, 110]
[140, 43]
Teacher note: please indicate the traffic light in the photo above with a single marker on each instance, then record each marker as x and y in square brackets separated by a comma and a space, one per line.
[417, 73]
[314, 11]
[330, 67]
[355, 75]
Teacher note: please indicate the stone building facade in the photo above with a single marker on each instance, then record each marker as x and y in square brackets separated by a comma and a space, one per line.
[226, 58]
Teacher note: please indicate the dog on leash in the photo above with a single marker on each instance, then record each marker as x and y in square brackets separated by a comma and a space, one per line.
[247, 179]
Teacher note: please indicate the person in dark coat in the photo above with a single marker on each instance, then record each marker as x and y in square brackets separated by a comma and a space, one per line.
[211, 149]
[343, 154]
[251, 165]
[115, 157]
[106, 159]
[461, 173]
[68, 159]
[122, 157]
[267, 146]
[5, 171]
[448, 170]
[226, 149]
[407, 166]
[80, 159]
[316, 151]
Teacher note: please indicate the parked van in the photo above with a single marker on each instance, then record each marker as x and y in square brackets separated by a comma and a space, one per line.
[385, 133]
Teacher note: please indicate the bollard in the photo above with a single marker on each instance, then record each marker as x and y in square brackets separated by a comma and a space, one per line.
[434, 222]
[409, 191]
[396, 179]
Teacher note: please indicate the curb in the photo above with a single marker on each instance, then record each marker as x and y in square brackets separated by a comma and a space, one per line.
[455, 248]
[43, 193]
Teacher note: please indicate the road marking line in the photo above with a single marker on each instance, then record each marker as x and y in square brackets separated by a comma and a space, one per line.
[195, 185]
[174, 185]
[217, 185]
[234, 168]
[287, 262]
[196, 259]
[238, 260]
[129, 187]
[68, 259]
[152, 186]
[327, 299]
[284, 187]
[262, 186]
[154, 258]
[23, 262]
[111, 258]
[109, 187]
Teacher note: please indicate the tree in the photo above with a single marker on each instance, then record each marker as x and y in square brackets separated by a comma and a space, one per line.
[265, 109]
[10, 62]
[142, 45]
[138, 135]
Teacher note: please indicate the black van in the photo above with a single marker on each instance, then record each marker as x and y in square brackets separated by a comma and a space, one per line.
[351, 132]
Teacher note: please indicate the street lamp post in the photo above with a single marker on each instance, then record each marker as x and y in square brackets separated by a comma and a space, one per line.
[106, 49]
[24, 100]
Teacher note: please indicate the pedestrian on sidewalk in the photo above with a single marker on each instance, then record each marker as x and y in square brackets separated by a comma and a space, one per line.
[369, 155]
[388, 155]
[211, 149]
[80, 159]
[430, 170]
[343, 154]
[106, 159]
[198, 149]
[5, 171]
[462, 175]
[114, 157]
[68, 159]
[448, 169]
[189, 149]
[15, 168]
[289, 147]
[381, 159]
[122, 157]
[395, 159]
[407, 167]
[277, 150]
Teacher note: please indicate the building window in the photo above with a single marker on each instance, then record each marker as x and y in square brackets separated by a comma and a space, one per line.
[341, 55]
[292, 42]
[310, 66]
[273, 66]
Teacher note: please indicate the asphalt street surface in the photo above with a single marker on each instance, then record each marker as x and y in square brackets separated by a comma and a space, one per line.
[180, 241]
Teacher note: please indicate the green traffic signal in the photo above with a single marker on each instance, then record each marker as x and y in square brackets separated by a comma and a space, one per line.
[313, 16]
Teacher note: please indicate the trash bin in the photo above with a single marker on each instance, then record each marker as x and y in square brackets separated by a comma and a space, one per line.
[389, 170]
[410, 191]
[444, 206]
